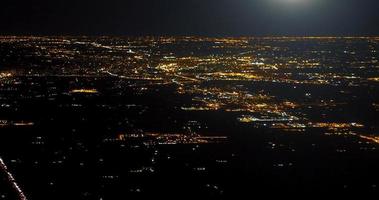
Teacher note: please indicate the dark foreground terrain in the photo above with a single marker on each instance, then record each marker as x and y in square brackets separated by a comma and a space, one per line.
[120, 118]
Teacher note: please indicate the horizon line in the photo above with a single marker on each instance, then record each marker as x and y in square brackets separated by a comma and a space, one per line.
[197, 36]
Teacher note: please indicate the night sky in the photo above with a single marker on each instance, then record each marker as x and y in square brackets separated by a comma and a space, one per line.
[190, 17]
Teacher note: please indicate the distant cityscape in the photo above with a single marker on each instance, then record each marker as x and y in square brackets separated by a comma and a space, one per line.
[132, 117]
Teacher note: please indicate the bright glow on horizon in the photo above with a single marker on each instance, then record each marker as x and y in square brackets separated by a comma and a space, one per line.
[293, 1]
[291, 4]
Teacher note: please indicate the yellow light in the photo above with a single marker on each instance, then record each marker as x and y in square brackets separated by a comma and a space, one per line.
[376, 79]
[85, 91]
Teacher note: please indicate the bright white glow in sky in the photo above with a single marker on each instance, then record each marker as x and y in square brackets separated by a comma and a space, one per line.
[292, 1]
[292, 4]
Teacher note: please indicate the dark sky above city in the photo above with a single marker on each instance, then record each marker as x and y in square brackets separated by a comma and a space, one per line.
[190, 17]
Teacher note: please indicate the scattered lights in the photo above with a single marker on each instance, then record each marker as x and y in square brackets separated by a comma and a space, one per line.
[374, 139]
[371, 138]
[5, 75]
[168, 139]
[376, 106]
[247, 119]
[84, 91]
[7, 123]
[234, 76]
[11, 180]
[23, 123]
[335, 126]
[376, 79]
[227, 83]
